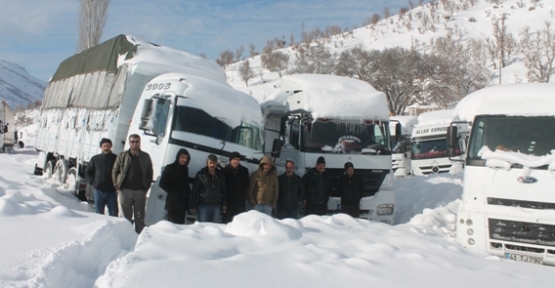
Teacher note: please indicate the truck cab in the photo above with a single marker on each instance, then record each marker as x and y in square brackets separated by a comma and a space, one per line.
[401, 131]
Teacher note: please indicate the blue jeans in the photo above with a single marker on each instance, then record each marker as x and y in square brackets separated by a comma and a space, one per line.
[266, 209]
[209, 213]
[103, 199]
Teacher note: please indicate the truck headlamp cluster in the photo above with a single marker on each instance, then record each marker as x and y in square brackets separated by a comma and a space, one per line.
[385, 209]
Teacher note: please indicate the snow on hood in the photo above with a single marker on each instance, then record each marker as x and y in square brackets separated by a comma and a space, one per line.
[435, 117]
[330, 96]
[505, 159]
[529, 99]
[164, 59]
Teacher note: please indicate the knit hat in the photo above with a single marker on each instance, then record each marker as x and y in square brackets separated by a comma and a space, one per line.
[234, 155]
[349, 165]
[105, 140]
[212, 158]
[321, 160]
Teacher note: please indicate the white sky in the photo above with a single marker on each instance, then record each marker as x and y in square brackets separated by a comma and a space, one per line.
[40, 34]
[48, 239]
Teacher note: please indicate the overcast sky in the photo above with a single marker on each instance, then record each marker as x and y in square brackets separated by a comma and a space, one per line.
[40, 34]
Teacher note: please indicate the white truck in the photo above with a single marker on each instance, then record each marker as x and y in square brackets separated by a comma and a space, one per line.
[400, 144]
[342, 119]
[508, 202]
[429, 145]
[130, 86]
[8, 135]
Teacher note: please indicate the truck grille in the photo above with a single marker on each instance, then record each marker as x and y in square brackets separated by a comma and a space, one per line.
[521, 203]
[435, 169]
[371, 178]
[522, 232]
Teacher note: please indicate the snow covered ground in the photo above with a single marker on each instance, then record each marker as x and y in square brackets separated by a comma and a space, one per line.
[49, 239]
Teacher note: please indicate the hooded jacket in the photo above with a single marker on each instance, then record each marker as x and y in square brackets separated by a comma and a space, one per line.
[175, 181]
[264, 189]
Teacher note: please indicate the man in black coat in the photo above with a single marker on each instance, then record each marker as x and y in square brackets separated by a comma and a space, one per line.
[317, 188]
[209, 192]
[291, 191]
[352, 190]
[175, 181]
[98, 173]
[237, 184]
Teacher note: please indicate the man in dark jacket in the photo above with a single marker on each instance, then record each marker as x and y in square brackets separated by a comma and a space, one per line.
[291, 192]
[237, 185]
[132, 176]
[98, 174]
[352, 189]
[317, 188]
[175, 181]
[209, 192]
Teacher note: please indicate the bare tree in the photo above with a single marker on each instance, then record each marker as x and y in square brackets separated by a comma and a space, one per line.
[375, 19]
[252, 49]
[386, 13]
[316, 60]
[246, 72]
[226, 58]
[500, 45]
[92, 18]
[539, 54]
[275, 62]
[239, 53]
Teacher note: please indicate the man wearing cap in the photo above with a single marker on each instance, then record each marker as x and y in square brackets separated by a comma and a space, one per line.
[132, 176]
[351, 192]
[291, 191]
[317, 188]
[209, 192]
[98, 173]
[237, 185]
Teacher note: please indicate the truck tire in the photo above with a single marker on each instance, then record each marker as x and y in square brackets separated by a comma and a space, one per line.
[60, 170]
[49, 168]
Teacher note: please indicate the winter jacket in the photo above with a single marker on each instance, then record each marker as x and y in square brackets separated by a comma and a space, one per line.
[264, 187]
[316, 186]
[352, 189]
[121, 166]
[209, 189]
[291, 191]
[237, 183]
[98, 172]
[175, 181]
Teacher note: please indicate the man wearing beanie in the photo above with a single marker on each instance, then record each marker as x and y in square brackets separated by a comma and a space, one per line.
[317, 188]
[351, 192]
[237, 184]
[98, 173]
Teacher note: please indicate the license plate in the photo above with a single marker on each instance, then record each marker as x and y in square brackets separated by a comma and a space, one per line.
[524, 258]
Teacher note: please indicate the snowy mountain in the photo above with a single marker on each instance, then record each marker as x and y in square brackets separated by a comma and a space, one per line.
[18, 87]
[469, 26]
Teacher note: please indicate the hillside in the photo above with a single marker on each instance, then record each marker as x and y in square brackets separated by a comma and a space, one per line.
[17, 87]
[467, 25]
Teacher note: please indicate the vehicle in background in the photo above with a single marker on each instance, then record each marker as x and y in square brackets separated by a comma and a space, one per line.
[130, 86]
[429, 145]
[508, 200]
[400, 144]
[8, 134]
[342, 119]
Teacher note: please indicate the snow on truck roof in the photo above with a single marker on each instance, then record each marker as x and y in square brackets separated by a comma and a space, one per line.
[435, 117]
[528, 99]
[330, 96]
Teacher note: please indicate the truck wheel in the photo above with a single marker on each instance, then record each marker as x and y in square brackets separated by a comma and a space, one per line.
[49, 169]
[60, 171]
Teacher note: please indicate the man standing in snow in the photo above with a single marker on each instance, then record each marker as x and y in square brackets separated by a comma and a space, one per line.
[291, 192]
[237, 185]
[132, 176]
[209, 192]
[175, 181]
[317, 187]
[351, 191]
[264, 190]
[98, 174]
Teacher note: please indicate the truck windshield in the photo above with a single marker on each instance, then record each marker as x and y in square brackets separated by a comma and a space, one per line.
[528, 135]
[197, 121]
[334, 136]
[425, 148]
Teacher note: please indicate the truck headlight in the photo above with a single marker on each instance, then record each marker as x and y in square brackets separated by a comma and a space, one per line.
[385, 209]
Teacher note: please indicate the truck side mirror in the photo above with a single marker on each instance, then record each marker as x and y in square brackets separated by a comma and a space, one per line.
[276, 148]
[146, 115]
[282, 125]
[452, 139]
[398, 131]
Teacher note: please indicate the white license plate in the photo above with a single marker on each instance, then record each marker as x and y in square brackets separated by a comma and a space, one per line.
[524, 258]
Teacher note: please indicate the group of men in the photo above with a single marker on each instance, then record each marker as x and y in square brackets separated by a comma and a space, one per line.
[216, 192]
